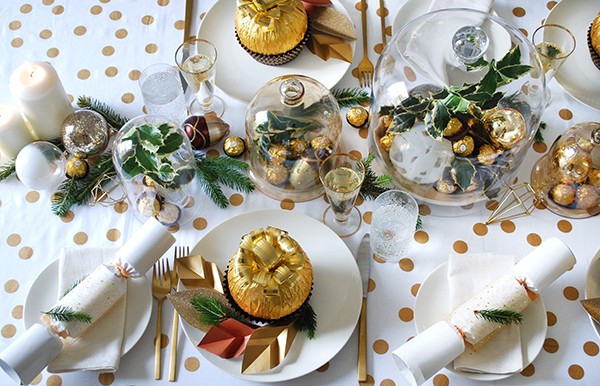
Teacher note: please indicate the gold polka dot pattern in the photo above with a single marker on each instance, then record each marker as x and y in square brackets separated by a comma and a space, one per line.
[591, 348]
[576, 372]
[191, 364]
[550, 345]
[380, 346]
[406, 265]
[106, 378]
[528, 371]
[54, 380]
[441, 380]
[406, 314]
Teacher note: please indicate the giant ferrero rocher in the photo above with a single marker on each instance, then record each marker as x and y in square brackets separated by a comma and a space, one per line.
[269, 276]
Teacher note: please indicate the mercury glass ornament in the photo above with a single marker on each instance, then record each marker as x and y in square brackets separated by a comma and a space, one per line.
[566, 178]
[84, 133]
[41, 166]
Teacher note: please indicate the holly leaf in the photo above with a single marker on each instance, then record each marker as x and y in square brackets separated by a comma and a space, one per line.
[132, 167]
[166, 172]
[479, 97]
[146, 159]
[402, 122]
[463, 172]
[456, 103]
[171, 144]
[512, 72]
[437, 120]
[267, 347]
[512, 57]
[488, 83]
[480, 63]
[150, 134]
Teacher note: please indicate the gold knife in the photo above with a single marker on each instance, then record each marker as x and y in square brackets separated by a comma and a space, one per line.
[382, 16]
[364, 267]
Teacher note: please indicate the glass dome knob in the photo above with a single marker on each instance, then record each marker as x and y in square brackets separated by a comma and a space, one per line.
[292, 91]
[469, 44]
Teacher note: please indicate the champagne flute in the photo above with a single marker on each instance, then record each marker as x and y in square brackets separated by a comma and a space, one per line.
[197, 59]
[554, 44]
[342, 176]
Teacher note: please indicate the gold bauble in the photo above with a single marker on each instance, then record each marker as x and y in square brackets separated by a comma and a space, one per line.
[298, 147]
[464, 146]
[594, 178]
[562, 194]
[487, 154]
[506, 128]
[357, 116]
[454, 127]
[277, 174]
[572, 164]
[77, 168]
[587, 196]
[279, 153]
[234, 146]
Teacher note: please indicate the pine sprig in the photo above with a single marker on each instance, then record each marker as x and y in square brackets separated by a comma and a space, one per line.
[212, 312]
[74, 284]
[67, 314]
[539, 137]
[373, 185]
[419, 223]
[112, 117]
[7, 170]
[348, 97]
[504, 317]
[307, 321]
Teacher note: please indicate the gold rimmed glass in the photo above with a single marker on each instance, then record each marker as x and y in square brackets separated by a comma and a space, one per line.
[342, 176]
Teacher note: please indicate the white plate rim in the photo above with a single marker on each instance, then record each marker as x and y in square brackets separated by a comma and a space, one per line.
[533, 329]
[592, 286]
[255, 74]
[43, 291]
[305, 355]
[578, 76]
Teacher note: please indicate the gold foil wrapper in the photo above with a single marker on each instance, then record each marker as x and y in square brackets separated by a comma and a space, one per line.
[587, 196]
[267, 348]
[594, 177]
[573, 164]
[196, 272]
[357, 116]
[234, 146]
[279, 153]
[277, 174]
[488, 154]
[506, 128]
[270, 276]
[454, 127]
[320, 142]
[562, 194]
[77, 168]
[464, 146]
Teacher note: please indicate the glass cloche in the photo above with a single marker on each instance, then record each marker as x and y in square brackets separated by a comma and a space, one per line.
[292, 124]
[457, 97]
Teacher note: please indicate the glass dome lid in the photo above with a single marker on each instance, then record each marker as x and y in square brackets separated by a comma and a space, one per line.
[457, 98]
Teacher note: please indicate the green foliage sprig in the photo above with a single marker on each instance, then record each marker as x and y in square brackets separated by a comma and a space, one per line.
[212, 312]
[539, 137]
[67, 314]
[373, 185]
[307, 321]
[504, 317]
[7, 170]
[348, 97]
[74, 284]
[112, 117]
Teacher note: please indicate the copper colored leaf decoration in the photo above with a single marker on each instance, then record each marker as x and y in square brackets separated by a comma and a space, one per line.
[227, 339]
[267, 348]
[592, 307]
[196, 272]
[181, 300]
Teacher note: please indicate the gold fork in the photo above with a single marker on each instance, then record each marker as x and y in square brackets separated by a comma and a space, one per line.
[365, 67]
[179, 252]
[161, 286]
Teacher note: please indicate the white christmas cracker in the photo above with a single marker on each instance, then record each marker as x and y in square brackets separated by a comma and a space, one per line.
[427, 353]
[29, 354]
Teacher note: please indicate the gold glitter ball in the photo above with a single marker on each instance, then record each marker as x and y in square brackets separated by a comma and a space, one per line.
[298, 147]
[277, 174]
[234, 146]
[320, 142]
[84, 133]
[453, 127]
[279, 153]
[506, 128]
[562, 194]
[357, 116]
[77, 168]
[464, 146]
[594, 177]
[487, 154]
[573, 164]
[587, 196]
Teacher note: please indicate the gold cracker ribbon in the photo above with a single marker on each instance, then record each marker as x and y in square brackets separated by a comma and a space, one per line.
[265, 12]
[196, 272]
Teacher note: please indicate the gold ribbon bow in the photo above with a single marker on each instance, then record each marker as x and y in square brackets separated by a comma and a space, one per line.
[265, 12]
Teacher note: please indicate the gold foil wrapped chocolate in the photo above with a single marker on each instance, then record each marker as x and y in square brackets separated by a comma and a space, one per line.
[587, 197]
[386, 141]
[464, 146]
[454, 127]
[357, 116]
[298, 147]
[594, 177]
[573, 164]
[277, 174]
[506, 128]
[562, 194]
[487, 154]
[234, 146]
[270, 276]
[279, 153]
[77, 168]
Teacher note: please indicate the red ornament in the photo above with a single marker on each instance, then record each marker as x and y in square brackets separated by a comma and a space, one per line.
[205, 130]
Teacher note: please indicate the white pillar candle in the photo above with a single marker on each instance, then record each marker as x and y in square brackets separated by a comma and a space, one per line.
[14, 133]
[41, 97]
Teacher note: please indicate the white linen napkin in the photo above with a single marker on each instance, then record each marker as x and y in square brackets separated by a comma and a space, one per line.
[99, 347]
[467, 275]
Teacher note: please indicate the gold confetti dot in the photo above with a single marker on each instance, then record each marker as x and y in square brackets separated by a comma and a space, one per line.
[16, 42]
[147, 20]
[508, 226]
[378, 48]
[134, 74]
[68, 217]
[179, 25]
[14, 25]
[57, 10]
[13, 240]
[236, 199]
[590, 348]
[421, 237]
[113, 234]
[37, 379]
[26, 8]
[415, 289]
[121, 207]
[406, 265]
[121, 33]
[52, 52]
[45, 34]
[424, 210]
[127, 97]
[528, 371]
[551, 318]
[115, 15]
[576, 372]
[287, 204]
[151, 48]
[565, 114]
[564, 226]
[460, 246]
[108, 51]
[17, 312]
[323, 368]
[359, 200]
[9, 330]
[173, 228]
[367, 217]
[492, 205]
[80, 238]
[441, 380]
[83, 74]
[371, 285]
[212, 153]
[163, 3]
[25, 253]
[32, 197]
[47, 2]
[190, 202]
[106, 378]
[518, 12]
[11, 286]
[550, 345]
[571, 293]
[387, 382]
[480, 229]
[540, 147]
[80, 30]
[200, 223]
[406, 314]
[534, 239]
[96, 10]
[191, 364]
[111, 71]
[164, 340]
[524, 31]
[363, 132]
[380, 346]
[410, 74]
[550, 4]
[54, 380]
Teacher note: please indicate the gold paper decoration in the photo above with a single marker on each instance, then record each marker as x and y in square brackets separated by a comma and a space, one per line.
[195, 272]
[592, 307]
[515, 203]
[267, 348]
[181, 300]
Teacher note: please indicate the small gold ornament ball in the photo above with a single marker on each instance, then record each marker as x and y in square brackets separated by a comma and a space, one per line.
[77, 168]
[506, 128]
[594, 177]
[573, 164]
[234, 146]
[278, 153]
[453, 128]
[464, 146]
[277, 174]
[487, 154]
[587, 196]
[357, 116]
[320, 142]
[563, 194]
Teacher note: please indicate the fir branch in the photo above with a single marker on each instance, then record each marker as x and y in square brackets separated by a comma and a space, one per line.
[419, 223]
[212, 312]
[74, 284]
[112, 117]
[7, 170]
[539, 137]
[307, 321]
[504, 317]
[373, 185]
[67, 314]
[348, 97]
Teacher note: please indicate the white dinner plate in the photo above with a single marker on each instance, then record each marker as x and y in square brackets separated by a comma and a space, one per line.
[578, 75]
[592, 285]
[336, 296]
[240, 76]
[43, 292]
[431, 306]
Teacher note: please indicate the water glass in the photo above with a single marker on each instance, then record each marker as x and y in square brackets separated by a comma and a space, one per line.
[393, 223]
[162, 92]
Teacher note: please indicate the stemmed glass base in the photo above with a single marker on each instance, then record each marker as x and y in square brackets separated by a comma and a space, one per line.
[347, 228]
[218, 107]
